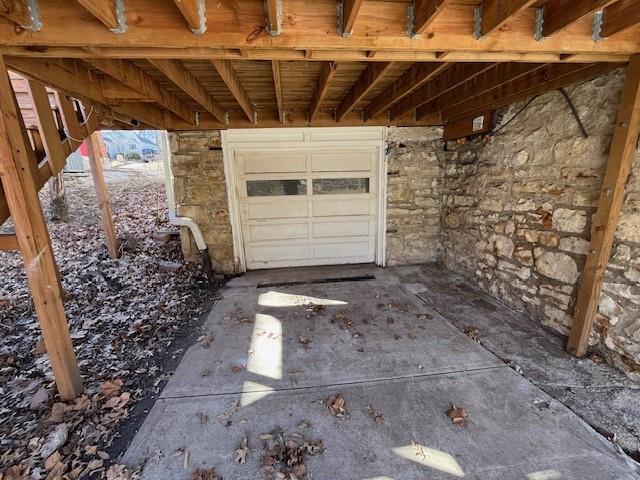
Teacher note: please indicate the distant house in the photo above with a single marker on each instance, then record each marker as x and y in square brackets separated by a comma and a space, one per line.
[132, 145]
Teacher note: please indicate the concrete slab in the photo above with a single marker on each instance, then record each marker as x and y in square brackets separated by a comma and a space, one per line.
[357, 331]
[515, 431]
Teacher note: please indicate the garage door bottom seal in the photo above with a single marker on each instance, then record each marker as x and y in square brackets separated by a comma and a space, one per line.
[361, 278]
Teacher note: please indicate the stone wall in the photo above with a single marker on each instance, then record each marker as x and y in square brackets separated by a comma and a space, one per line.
[415, 159]
[201, 194]
[517, 215]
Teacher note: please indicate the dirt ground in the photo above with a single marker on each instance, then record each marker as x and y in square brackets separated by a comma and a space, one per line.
[130, 320]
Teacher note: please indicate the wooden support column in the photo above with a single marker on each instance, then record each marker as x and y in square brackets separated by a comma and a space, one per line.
[18, 172]
[97, 173]
[621, 156]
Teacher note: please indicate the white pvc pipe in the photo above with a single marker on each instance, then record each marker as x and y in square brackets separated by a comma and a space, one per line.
[168, 176]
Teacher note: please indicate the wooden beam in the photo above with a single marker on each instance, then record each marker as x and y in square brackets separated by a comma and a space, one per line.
[8, 242]
[326, 75]
[97, 174]
[106, 11]
[273, 14]
[452, 78]
[134, 77]
[70, 121]
[559, 14]
[465, 127]
[412, 79]
[540, 81]
[500, 74]
[17, 170]
[56, 155]
[495, 13]
[20, 13]
[277, 85]
[425, 12]
[350, 10]
[368, 79]
[190, 85]
[231, 80]
[75, 80]
[621, 156]
[620, 16]
[194, 12]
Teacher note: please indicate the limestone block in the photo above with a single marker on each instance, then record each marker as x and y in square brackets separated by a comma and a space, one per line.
[573, 221]
[575, 245]
[524, 255]
[521, 272]
[558, 266]
[629, 224]
[610, 308]
[548, 239]
[503, 246]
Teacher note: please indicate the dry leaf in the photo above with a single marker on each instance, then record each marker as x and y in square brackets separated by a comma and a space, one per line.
[337, 405]
[242, 451]
[375, 414]
[111, 388]
[458, 415]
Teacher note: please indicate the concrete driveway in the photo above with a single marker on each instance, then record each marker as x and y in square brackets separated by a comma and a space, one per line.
[278, 353]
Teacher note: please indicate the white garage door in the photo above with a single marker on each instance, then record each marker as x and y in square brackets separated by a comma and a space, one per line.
[306, 202]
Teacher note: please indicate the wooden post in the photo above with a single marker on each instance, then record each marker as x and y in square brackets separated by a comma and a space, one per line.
[97, 173]
[18, 171]
[621, 156]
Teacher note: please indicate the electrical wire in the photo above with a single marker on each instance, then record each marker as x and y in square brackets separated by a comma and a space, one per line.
[574, 111]
[524, 107]
[83, 123]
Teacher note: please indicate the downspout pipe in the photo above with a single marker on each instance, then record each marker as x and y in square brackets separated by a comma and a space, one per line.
[182, 221]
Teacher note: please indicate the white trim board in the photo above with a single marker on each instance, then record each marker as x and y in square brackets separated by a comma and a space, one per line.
[302, 138]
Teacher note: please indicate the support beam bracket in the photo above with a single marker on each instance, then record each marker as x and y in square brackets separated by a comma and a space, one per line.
[120, 16]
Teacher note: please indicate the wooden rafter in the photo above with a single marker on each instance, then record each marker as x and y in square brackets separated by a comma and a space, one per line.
[231, 80]
[448, 80]
[411, 80]
[425, 12]
[621, 157]
[133, 77]
[540, 81]
[18, 170]
[194, 13]
[68, 77]
[559, 14]
[273, 14]
[184, 79]
[492, 79]
[106, 12]
[350, 10]
[620, 16]
[326, 75]
[367, 80]
[277, 86]
[495, 13]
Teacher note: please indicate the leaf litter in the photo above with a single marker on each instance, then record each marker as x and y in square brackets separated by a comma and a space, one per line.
[125, 317]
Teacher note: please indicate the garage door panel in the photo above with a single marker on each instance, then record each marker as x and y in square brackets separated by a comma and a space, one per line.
[342, 249]
[272, 162]
[333, 161]
[290, 208]
[270, 253]
[341, 206]
[278, 231]
[341, 229]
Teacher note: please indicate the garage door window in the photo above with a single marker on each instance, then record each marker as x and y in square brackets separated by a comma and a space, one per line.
[274, 188]
[335, 186]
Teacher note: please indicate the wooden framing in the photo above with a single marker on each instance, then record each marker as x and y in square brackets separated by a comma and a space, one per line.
[194, 12]
[277, 87]
[8, 241]
[103, 10]
[369, 78]
[495, 13]
[560, 14]
[228, 75]
[425, 12]
[621, 156]
[619, 16]
[326, 74]
[18, 170]
[97, 174]
[273, 13]
[350, 10]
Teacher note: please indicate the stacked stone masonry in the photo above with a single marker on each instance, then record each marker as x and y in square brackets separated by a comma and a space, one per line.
[517, 215]
[514, 213]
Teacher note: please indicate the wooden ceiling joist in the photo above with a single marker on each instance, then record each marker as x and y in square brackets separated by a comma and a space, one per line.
[130, 75]
[326, 75]
[500, 74]
[560, 14]
[72, 127]
[446, 81]
[22, 13]
[349, 10]
[185, 80]
[424, 13]
[231, 80]
[620, 16]
[273, 17]
[495, 13]
[367, 80]
[109, 12]
[412, 79]
[277, 86]
[194, 12]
